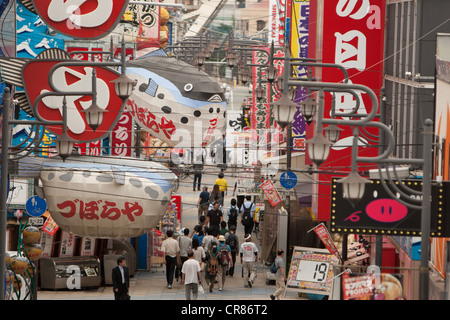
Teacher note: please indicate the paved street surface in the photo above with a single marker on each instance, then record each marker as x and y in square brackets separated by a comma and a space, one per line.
[151, 285]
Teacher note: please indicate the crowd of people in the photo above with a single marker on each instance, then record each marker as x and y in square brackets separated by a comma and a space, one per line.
[212, 248]
[208, 254]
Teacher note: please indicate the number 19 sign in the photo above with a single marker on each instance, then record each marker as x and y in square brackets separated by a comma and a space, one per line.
[311, 270]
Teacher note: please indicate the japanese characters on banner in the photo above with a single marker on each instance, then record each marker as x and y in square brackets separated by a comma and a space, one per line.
[323, 234]
[50, 226]
[88, 246]
[261, 115]
[263, 126]
[299, 49]
[67, 244]
[149, 29]
[271, 192]
[277, 17]
[353, 36]
[85, 56]
[382, 286]
[121, 136]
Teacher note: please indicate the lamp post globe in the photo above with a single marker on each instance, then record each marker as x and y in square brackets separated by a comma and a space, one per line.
[353, 187]
[259, 92]
[64, 145]
[332, 132]
[124, 86]
[284, 110]
[318, 149]
[271, 73]
[309, 107]
[94, 116]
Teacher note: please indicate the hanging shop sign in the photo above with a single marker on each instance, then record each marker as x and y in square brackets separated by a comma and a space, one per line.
[121, 199]
[324, 236]
[299, 48]
[311, 271]
[353, 37]
[81, 19]
[271, 192]
[363, 286]
[378, 213]
[36, 74]
[178, 104]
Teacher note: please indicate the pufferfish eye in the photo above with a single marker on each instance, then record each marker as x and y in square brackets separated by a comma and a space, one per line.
[188, 87]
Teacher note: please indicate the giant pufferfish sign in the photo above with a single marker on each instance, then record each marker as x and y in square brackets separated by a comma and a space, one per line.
[175, 102]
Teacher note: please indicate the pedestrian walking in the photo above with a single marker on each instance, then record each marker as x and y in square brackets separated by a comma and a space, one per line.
[248, 209]
[212, 258]
[199, 235]
[214, 217]
[200, 226]
[280, 276]
[185, 244]
[223, 229]
[207, 238]
[203, 202]
[225, 261]
[232, 214]
[198, 171]
[233, 242]
[171, 251]
[191, 276]
[121, 280]
[216, 195]
[199, 255]
[223, 185]
[249, 255]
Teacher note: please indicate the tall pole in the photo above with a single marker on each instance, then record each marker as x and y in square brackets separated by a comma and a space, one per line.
[426, 204]
[4, 191]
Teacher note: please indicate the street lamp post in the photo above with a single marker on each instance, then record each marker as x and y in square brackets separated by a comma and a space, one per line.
[64, 144]
[353, 181]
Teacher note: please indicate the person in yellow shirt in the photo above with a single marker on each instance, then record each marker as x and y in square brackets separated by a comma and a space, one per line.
[223, 185]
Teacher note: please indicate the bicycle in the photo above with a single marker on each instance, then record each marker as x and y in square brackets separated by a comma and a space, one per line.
[258, 230]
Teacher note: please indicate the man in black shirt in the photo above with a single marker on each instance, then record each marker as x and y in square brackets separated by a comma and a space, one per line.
[203, 202]
[214, 216]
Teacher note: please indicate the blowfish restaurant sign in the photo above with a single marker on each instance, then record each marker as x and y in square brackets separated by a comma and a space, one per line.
[378, 213]
[353, 36]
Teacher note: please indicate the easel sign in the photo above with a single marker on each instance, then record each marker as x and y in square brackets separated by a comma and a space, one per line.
[311, 271]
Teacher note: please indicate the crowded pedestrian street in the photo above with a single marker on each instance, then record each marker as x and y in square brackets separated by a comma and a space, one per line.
[152, 285]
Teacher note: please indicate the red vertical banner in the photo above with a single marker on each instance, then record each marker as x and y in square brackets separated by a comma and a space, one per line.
[121, 136]
[271, 192]
[353, 36]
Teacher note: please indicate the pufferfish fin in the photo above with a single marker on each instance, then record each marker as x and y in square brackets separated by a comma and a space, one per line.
[150, 88]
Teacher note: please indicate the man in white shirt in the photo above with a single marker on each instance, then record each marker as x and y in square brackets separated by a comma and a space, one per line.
[191, 276]
[249, 255]
[171, 251]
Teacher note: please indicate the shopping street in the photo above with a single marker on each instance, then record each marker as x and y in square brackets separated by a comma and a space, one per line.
[151, 285]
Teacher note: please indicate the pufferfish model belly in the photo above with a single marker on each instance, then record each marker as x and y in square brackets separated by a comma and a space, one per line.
[176, 103]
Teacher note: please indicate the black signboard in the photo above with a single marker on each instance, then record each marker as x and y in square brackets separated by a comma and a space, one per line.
[378, 213]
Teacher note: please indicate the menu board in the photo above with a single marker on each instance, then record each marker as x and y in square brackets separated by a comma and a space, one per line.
[311, 270]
